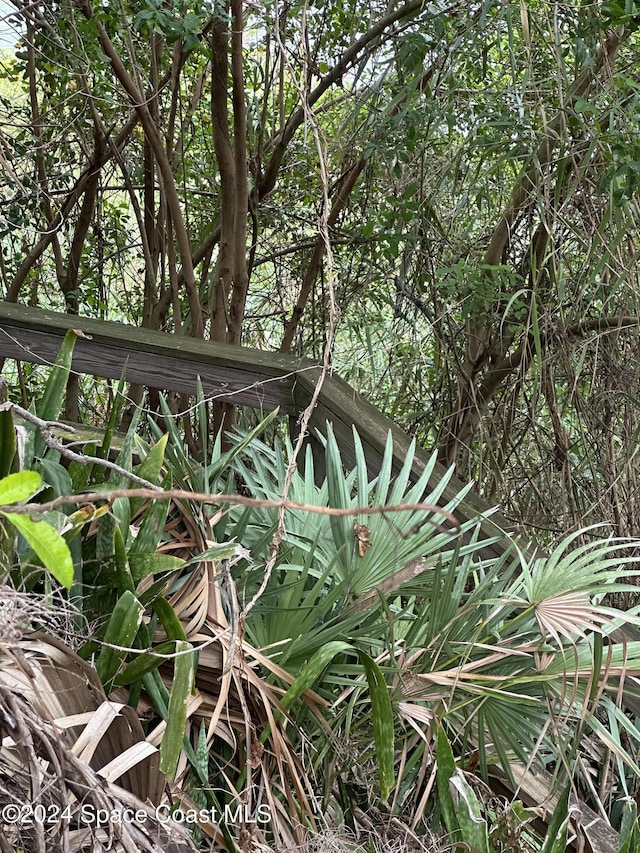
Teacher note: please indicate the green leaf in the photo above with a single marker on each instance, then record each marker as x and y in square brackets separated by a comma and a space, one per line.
[312, 670]
[7, 442]
[341, 528]
[123, 571]
[151, 530]
[114, 416]
[144, 664]
[473, 826]
[555, 840]
[121, 631]
[144, 565]
[56, 475]
[181, 687]
[48, 544]
[446, 768]
[629, 834]
[383, 724]
[19, 487]
[222, 464]
[150, 468]
[50, 406]
[170, 622]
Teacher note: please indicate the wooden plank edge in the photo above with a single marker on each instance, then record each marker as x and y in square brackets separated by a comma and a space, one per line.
[150, 341]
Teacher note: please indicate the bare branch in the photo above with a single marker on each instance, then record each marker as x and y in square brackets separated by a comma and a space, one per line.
[153, 493]
[45, 427]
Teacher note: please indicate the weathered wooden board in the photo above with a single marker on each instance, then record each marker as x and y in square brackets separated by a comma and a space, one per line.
[535, 792]
[240, 375]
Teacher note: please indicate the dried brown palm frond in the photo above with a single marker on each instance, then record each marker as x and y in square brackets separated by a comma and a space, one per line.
[59, 802]
[570, 615]
[243, 717]
[240, 709]
[78, 765]
[193, 593]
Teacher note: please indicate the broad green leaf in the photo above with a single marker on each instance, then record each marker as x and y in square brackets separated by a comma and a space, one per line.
[446, 769]
[473, 827]
[144, 664]
[56, 475]
[181, 687]
[143, 565]
[121, 630]
[166, 614]
[19, 487]
[217, 551]
[312, 670]
[150, 468]
[48, 544]
[383, 724]
[50, 405]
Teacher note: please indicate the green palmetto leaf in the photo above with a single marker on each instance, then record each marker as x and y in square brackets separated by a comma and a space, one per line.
[339, 496]
[592, 568]
[622, 658]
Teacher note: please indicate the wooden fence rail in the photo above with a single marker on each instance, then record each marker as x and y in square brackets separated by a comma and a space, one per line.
[248, 377]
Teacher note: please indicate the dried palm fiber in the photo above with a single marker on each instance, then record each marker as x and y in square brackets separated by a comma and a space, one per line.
[65, 746]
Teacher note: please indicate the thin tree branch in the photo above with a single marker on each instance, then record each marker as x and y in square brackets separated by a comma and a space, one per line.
[45, 427]
[155, 140]
[156, 493]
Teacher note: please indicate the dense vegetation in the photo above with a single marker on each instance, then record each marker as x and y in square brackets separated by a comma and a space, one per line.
[440, 200]
[473, 170]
